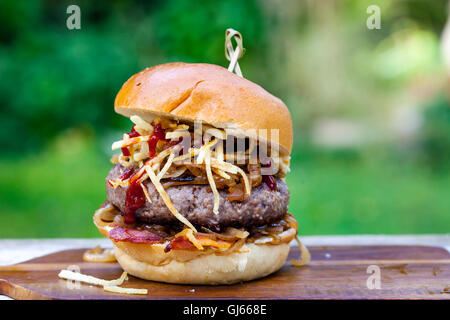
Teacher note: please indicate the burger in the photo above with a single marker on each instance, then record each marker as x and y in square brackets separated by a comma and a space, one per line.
[197, 193]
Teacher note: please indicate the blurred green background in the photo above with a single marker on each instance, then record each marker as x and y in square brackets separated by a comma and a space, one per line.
[370, 107]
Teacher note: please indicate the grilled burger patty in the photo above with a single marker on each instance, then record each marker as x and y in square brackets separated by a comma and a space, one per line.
[195, 202]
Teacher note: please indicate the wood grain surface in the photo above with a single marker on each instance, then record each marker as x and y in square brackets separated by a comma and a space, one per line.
[335, 272]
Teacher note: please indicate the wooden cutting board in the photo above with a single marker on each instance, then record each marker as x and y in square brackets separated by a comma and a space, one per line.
[335, 272]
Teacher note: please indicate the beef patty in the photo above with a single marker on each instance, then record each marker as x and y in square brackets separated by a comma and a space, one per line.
[195, 202]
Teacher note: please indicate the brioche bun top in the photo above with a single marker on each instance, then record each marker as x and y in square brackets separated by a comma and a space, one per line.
[207, 93]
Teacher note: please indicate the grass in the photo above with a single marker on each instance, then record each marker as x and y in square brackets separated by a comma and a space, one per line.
[54, 193]
[336, 196]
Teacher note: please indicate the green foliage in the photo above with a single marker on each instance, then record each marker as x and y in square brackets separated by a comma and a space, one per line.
[54, 78]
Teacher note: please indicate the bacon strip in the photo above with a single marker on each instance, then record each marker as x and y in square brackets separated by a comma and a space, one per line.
[179, 243]
[134, 236]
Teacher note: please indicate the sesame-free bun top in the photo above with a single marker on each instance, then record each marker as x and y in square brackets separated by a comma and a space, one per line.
[207, 93]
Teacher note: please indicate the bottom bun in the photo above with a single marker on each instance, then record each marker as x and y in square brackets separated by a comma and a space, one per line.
[259, 261]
